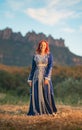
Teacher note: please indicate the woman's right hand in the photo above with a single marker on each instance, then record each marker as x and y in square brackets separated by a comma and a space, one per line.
[30, 84]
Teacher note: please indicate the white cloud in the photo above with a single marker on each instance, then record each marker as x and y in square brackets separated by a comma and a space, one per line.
[54, 11]
[62, 3]
[81, 28]
[68, 30]
[14, 4]
[51, 13]
[46, 16]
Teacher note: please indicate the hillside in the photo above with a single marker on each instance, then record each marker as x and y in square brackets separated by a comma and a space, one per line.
[17, 50]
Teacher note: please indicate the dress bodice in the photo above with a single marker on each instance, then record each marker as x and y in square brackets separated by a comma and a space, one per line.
[41, 66]
[41, 63]
[41, 60]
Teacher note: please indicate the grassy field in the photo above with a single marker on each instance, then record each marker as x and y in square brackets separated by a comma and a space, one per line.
[13, 117]
[14, 99]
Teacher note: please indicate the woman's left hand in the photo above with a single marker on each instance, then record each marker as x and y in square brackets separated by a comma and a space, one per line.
[46, 81]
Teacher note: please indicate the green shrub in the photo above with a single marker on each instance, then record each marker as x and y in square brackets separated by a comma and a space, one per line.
[69, 91]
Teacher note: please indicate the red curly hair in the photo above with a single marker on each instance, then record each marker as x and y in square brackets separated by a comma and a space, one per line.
[47, 50]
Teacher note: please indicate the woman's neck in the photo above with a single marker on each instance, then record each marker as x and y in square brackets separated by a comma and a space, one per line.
[42, 53]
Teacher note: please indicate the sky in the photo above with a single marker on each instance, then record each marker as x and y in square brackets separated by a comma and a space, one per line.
[58, 18]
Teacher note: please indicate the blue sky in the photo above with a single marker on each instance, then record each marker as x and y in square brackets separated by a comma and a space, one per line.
[59, 18]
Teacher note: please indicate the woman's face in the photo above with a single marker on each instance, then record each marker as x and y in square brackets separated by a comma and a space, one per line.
[43, 47]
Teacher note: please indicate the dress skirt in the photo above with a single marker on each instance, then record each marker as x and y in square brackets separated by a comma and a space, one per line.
[41, 97]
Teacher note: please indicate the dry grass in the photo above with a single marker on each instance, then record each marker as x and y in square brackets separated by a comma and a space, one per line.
[15, 118]
[13, 69]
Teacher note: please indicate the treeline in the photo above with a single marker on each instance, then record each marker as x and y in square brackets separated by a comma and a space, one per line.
[67, 83]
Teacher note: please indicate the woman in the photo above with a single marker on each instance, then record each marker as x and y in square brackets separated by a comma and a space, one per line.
[41, 94]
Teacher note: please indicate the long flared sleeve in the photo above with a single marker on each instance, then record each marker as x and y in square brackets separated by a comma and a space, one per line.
[49, 67]
[32, 70]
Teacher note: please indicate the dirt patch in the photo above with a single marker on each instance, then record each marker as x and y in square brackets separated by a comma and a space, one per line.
[14, 118]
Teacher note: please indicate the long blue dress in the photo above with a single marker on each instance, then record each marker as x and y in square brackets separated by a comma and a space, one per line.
[41, 95]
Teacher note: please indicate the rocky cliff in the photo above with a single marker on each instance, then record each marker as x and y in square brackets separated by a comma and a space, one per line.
[16, 49]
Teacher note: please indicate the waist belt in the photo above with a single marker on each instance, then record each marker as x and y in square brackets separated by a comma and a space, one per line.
[43, 65]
